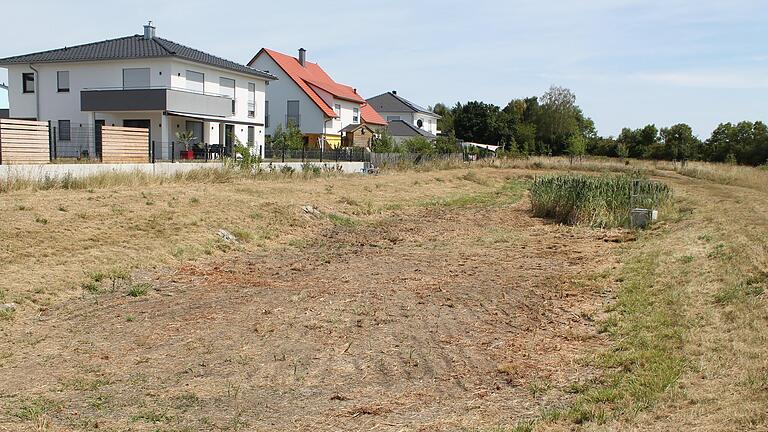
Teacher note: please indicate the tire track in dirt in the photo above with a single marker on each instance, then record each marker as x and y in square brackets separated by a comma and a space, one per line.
[431, 318]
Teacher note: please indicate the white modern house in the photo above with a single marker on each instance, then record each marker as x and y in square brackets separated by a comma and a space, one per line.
[305, 95]
[393, 107]
[138, 81]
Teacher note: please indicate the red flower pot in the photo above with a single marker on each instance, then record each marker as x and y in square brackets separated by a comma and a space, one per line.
[187, 155]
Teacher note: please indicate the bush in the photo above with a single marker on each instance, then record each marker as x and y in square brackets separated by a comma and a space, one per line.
[603, 201]
[417, 144]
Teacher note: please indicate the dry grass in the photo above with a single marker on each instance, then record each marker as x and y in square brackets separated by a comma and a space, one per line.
[424, 300]
[735, 175]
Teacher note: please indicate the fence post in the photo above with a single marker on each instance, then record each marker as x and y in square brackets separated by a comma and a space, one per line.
[152, 151]
[337, 154]
[283, 153]
[321, 152]
[173, 152]
[303, 147]
[1, 142]
[205, 145]
[50, 143]
[349, 155]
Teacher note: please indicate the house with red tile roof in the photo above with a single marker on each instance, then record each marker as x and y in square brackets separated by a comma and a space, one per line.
[305, 95]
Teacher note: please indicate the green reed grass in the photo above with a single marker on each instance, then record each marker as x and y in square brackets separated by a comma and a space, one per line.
[599, 201]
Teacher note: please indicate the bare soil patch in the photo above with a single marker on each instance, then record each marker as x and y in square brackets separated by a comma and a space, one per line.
[435, 316]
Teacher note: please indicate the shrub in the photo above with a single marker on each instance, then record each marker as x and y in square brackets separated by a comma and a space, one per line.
[417, 144]
[603, 201]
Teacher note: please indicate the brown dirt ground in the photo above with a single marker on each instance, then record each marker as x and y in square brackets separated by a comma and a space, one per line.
[425, 317]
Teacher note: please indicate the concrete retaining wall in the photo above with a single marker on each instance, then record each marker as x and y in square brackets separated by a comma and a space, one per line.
[53, 171]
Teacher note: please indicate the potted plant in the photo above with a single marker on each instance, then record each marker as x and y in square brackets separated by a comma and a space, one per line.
[186, 138]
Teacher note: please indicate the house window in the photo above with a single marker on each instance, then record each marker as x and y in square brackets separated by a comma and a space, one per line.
[355, 115]
[251, 136]
[227, 88]
[62, 81]
[65, 133]
[392, 118]
[266, 113]
[337, 109]
[293, 113]
[28, 82]
[251, 100]
[135, 78]
[195, 81]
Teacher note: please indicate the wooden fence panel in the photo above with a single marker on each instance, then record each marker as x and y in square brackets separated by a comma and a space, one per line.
[24, 142]
[124, 145]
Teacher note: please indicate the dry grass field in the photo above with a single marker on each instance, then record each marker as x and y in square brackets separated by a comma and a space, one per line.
[428, 300]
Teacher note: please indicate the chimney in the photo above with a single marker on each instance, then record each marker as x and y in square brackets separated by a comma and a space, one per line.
[394, 92]
[302, 56]
[149, 31]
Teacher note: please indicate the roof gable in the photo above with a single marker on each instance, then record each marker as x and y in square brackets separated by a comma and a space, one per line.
[403, 128]
[311, 74]
[370, 115]
[391, 102]
[132, 47]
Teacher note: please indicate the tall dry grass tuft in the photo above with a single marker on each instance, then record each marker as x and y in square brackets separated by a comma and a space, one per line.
[735, 175]
[208, 175]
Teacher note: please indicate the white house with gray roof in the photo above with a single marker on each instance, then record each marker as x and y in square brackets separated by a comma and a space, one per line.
[393, 107]
[138, 81]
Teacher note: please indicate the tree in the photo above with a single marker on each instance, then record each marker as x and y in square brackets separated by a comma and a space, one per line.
[445, 122]
[678, 142]
[744, 143]
[477, 122]
[447, 144]
[383, 142]
[289, 137]
[558, 118]
[417, 144]
[577, 146]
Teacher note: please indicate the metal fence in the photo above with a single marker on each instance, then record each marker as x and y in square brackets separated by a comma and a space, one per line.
[343, 154]
[77, 142]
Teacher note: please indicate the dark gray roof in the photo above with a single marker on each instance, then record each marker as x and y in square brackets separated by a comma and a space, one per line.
[391, 102]
[354, 126]
[131, 47]
[401, 128]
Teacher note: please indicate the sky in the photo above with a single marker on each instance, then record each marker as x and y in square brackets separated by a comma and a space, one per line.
[629, 62]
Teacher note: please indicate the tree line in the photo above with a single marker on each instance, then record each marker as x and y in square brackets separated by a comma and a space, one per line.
[553, 124]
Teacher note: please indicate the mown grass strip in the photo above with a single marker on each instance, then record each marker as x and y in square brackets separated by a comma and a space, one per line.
[646, 325]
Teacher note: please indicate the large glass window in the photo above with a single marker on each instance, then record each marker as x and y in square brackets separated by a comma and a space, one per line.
[227, 88]
[135, 78]
[293, 113]
[28, 82]
[337, 109]
[251, 100]
[251, 136]
[196, 128]
[62, 81]
[195, 81]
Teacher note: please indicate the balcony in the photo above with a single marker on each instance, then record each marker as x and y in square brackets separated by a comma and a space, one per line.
[156, 99]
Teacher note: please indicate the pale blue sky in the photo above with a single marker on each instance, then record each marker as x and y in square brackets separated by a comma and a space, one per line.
[630, 62]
